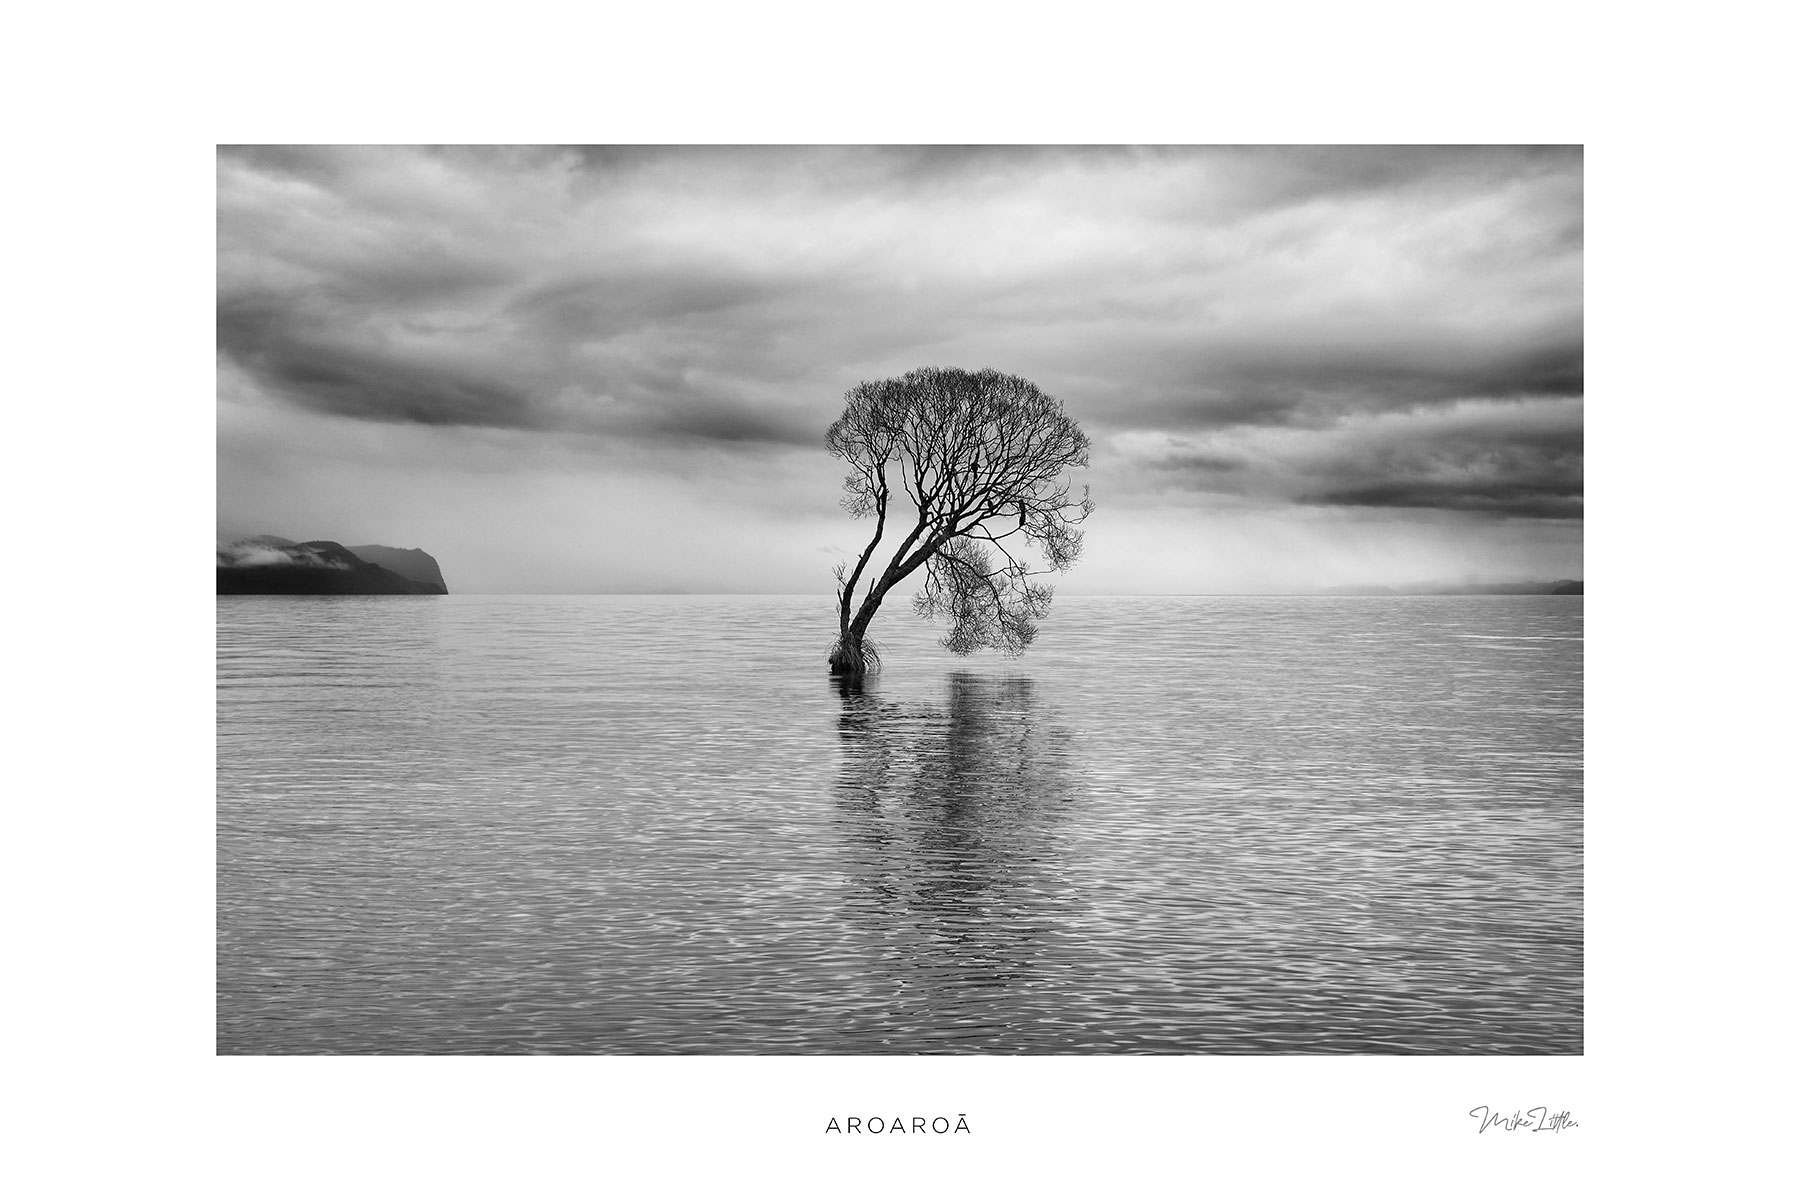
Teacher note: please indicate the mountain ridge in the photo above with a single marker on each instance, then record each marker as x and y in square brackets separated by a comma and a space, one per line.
[414, 563]
[267, 565]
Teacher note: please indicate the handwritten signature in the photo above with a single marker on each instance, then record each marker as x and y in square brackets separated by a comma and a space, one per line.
[1531, 1120]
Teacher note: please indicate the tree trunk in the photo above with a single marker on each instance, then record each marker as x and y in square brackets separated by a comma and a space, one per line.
[851, 657]
[847, 658]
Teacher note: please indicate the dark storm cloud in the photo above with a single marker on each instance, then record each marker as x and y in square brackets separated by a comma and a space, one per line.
[1229, 385]
[1281, 176]
[455, 288]
[1314, 385]
[1501, 459]
[1510, 497]
[315, 363]
[1315, 326]
[588, 306]
[1514, 473]
[730, 424]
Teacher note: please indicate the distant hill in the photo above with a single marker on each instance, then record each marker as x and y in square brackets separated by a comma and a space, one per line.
[1560, 587]
[415, 565]
[271, 566]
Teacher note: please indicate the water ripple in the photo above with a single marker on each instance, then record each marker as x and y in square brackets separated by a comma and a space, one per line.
[573, 825]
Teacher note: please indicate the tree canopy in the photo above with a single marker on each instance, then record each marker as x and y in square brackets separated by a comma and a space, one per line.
[981, 459]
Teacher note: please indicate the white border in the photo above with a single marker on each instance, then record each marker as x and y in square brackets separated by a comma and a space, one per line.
[112, 442]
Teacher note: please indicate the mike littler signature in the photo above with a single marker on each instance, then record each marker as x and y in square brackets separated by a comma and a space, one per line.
[1532, 1120]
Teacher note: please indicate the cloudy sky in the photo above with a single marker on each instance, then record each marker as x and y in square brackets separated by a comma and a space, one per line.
[596, 369]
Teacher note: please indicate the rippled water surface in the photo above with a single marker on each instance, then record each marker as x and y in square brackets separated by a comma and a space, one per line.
[609, 824]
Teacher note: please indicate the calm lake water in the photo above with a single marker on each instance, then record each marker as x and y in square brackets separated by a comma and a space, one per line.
[630, 825]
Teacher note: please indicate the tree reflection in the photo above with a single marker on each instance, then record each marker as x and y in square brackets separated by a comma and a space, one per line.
[952, 816]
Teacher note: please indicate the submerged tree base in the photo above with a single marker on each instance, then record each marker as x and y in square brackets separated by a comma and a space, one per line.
[853, 658]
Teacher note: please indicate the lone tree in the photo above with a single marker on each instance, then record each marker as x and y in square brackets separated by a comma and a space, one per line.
[981, 458]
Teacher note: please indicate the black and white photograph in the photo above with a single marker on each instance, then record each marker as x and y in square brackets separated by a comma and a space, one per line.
[900, 600]
[968, 600]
